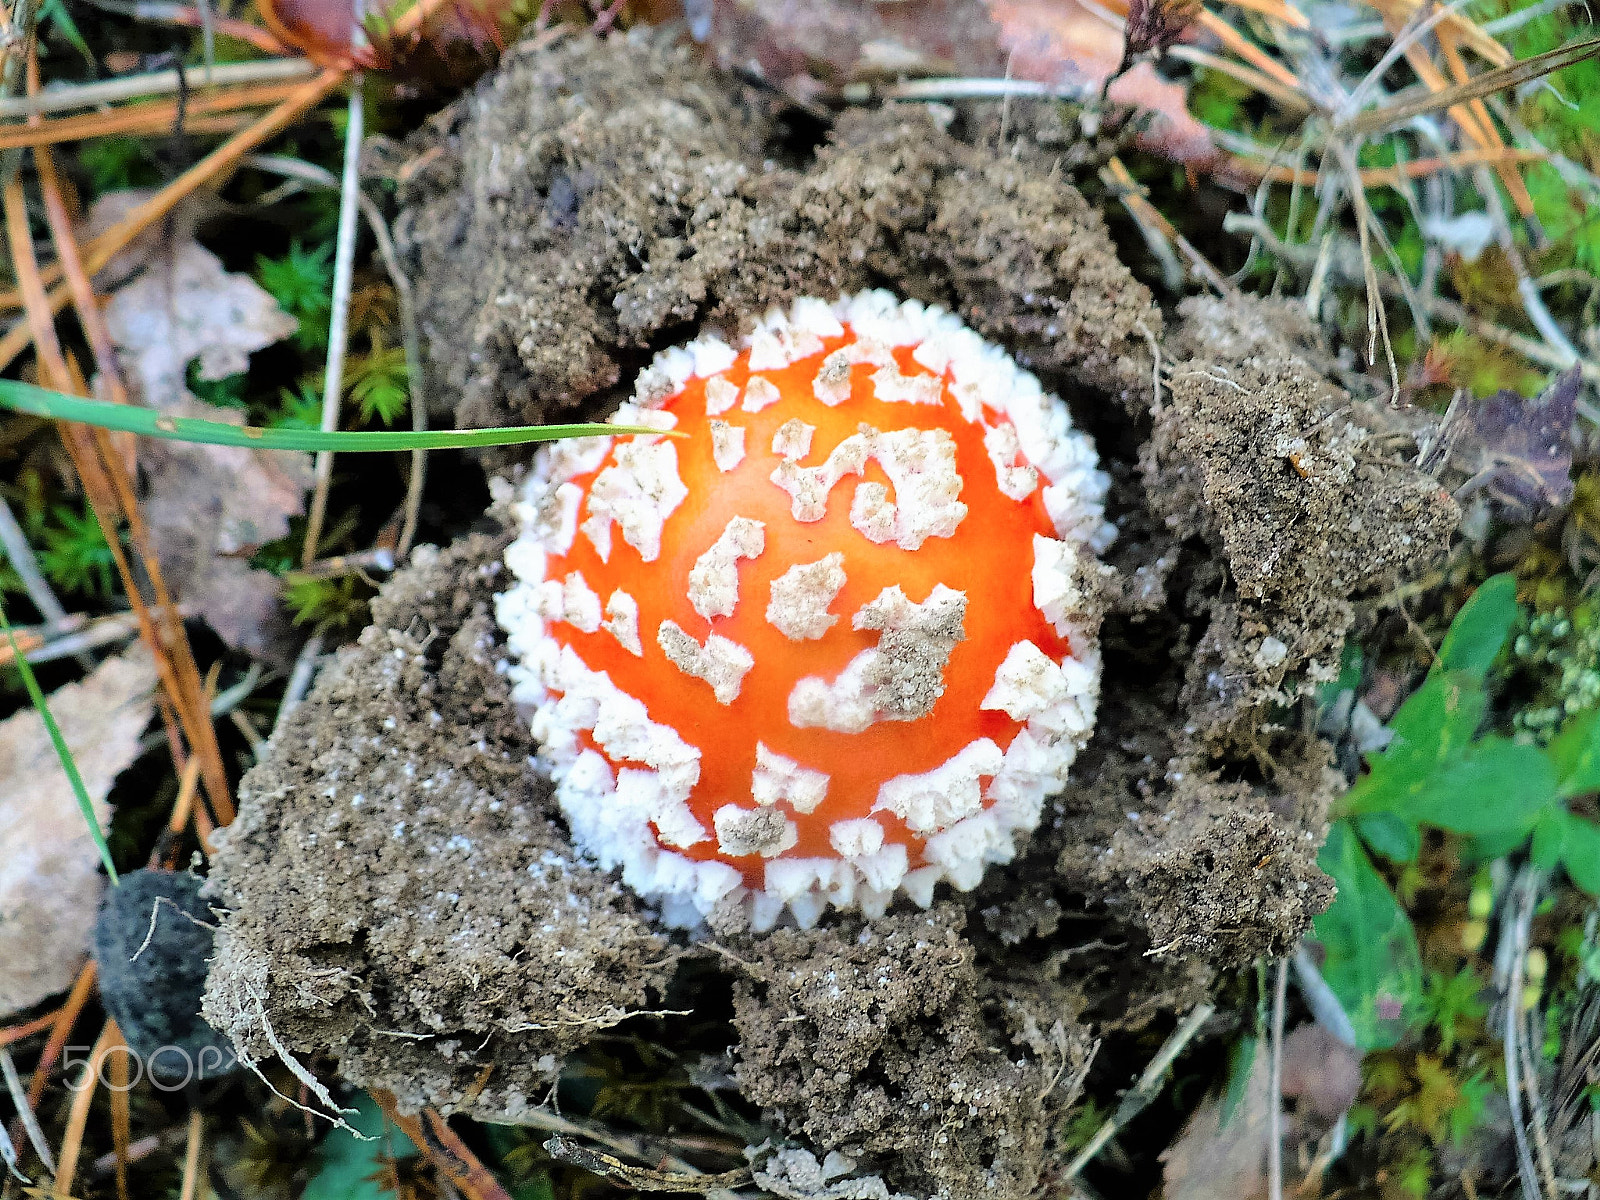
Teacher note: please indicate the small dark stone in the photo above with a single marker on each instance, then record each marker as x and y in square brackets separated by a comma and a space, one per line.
[152, 941]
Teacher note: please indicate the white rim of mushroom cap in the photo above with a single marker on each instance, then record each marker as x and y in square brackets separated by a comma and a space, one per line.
[613, 814]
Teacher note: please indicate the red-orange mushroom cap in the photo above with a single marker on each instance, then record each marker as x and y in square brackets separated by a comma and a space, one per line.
[835, 644]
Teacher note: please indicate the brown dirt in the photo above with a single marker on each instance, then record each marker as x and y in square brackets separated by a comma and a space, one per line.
[400, 894]
[592, 203]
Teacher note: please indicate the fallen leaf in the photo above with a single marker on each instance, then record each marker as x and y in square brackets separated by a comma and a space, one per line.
[803, 46]
[1517, 450]
[1217, 1160]
[184, 306]
[208, 507]
[50, 879]
[1321, 1072]
[1069, 42]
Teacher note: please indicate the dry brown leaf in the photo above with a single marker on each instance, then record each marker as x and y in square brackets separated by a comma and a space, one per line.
[1213, 1161]
[184, 306]
[50, 879]
[803, 45]
[1068, 42]
[208, 507]
[1216, 1161]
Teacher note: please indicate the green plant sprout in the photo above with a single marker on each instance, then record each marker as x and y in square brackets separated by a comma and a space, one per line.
[74, 553]
[1441, 772]
[302, 284]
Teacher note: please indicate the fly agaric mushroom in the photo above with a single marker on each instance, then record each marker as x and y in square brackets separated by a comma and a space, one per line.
[834, 643]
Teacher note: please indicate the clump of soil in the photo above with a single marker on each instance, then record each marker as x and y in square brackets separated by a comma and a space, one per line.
[404, 897]
[403, 893]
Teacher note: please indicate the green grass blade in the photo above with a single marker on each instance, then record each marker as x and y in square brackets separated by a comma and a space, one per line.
[128, 418]
[63, 751]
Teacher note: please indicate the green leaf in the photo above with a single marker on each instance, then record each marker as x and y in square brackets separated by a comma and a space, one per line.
[1434, 723]
[1580, 852]
[63, 751]
[1241, 1062]
[1373, 964]
[1480, 628]
[128, 418]
[1486, 846]
[1390, 835]
[1576, 755]
[346, 1167]
[1549, 834]
[302, 284]
[1496, 785]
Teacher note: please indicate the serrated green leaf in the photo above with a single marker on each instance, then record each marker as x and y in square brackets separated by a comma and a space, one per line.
[1480, 629]
[1373, 964]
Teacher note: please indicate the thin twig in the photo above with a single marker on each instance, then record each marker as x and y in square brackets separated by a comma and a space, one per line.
[305, 669]
[410, 334]
[1343, 262]
[1532, 301]
[1280, 990]
[150, 117]
[8, 1156]
[101, 251]
[110, 493]
[1116, 177]
[608, 1166]
[191, 1156]
[452, 1157]
[78, 1114]
[79, 639]
[345, 564]
[1145, 1090]
[156, 83]
[26, 566]
[1321, 999]
[339, 317]
[30, 1122]
[1536, 1113]
[1516, 923]
[60, 1031]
